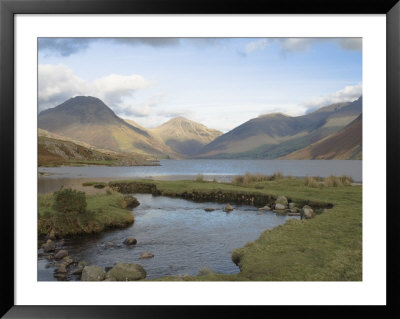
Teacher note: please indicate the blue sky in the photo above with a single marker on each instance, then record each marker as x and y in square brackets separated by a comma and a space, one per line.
[218, 82]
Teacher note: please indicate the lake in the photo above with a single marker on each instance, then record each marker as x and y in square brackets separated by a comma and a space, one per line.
[182, 236]
[222, 170]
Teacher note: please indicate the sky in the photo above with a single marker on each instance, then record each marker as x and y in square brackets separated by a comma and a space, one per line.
[219, 82]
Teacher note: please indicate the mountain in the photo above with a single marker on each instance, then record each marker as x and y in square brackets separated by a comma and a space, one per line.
[52, 152]
[276, 135]
[184, 136]
[88, 119]
[345, 144]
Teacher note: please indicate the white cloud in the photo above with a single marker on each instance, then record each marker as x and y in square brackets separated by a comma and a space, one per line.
[349, 93]
[58, 83]
[257, 45]
[303, 44]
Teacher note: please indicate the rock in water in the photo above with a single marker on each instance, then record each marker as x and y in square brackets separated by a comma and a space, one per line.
[279, 206]
[130, 241]
[130, 202]
[266, 207]
[281, 200]
[93, 273]
[146, 255]
[61, 269]
[209, 209]
[61, 254]
[126, 272]
[228, 208]
[307, 212]
[49, 246]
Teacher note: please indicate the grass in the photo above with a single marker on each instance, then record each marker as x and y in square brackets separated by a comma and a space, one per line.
[95, 184]
[330, 181]
[325, 248]
[248, 178]
[103, 211]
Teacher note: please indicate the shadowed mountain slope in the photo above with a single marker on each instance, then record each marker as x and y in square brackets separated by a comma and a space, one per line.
[276, 135]
[345, 144]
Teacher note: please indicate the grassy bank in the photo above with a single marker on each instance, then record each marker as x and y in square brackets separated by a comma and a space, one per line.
[103, 211]
[325, 248]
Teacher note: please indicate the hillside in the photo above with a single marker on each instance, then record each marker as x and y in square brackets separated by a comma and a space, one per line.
[89, 120]
[54, 152]
[184, 136]
[276, 135]
[345, 144]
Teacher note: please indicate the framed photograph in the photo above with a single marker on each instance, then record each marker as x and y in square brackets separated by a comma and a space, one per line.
[174, 154]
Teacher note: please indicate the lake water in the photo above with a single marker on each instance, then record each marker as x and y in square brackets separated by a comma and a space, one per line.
[222, 170]
[182, 236]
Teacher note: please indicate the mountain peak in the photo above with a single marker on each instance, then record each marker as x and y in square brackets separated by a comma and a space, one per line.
[83, 109]
[277, 114]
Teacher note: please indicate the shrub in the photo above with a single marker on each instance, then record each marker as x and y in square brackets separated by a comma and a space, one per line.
[200, 178]
[69, 200]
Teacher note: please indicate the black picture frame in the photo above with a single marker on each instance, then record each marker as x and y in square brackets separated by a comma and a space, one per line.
[9, 8]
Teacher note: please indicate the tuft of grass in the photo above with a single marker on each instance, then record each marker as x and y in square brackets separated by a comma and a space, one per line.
[333, 181]
[312, 182]
[249, 179]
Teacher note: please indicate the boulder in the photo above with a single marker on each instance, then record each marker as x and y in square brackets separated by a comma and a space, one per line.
[126, 272]
[93, 273]
[294, 210]
[146, 255]
[279, 206]
[61, 254]
[282, 200]
[228, 208]
[209, 209]
[307, 212]
[130, 202]
[77, 271]
[52, 235]
[49, 246]
[67, 260]
[61, 269]
[266, 207]
[130, 241]
[292, 205]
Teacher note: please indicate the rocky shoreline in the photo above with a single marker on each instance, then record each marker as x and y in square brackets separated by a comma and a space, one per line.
[67, 268]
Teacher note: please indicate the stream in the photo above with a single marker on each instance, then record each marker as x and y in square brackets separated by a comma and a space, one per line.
[182, 236]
